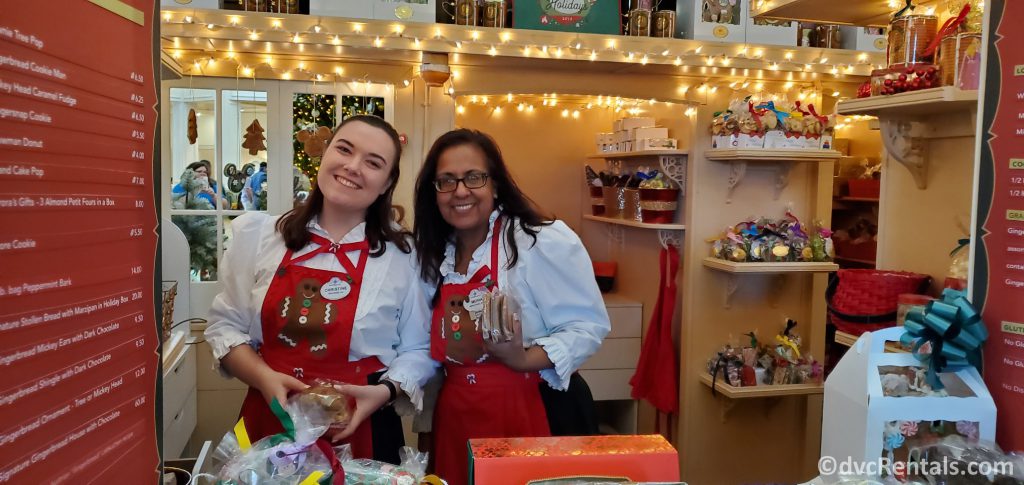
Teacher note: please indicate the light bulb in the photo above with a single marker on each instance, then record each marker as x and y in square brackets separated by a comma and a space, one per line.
[565, 113]
[593, 55]
[475, 35]
[678, 61]
[451, 91]
[405, 82]
[377, 42]
[497, 110]
[505, 37]
[492, 51]
[296, 38]
[508, 97]
[460, 109]
[253, 35]
[575, 114]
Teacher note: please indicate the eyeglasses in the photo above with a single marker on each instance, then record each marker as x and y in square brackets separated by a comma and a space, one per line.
[472, 180]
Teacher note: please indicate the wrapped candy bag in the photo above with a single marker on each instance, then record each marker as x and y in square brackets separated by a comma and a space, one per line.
[288, 458]
[500, 309]
[363, 471]
[327, 394]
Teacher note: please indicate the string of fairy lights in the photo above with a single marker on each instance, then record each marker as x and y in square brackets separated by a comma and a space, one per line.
[201, 42]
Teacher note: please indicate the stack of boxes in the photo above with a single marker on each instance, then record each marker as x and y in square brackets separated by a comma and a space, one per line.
[635, 135]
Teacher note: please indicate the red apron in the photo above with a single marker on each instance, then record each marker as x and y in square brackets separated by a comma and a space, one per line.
[480, 398]
[307, 321]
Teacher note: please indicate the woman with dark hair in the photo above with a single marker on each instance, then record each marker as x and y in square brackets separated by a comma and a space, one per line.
[208, 186]
[476, 231]
[328, 291]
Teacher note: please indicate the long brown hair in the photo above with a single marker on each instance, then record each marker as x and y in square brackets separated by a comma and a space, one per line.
[379, 230]
[432, 232]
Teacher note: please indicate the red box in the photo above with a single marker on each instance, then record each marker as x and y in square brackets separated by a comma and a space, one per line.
[865, 188]
[520, 461]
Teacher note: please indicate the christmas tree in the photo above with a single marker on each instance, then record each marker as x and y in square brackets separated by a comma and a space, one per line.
[310, 111]
[200, 231]
[361, 105]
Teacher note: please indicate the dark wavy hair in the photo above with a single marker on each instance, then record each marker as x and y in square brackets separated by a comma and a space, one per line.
[379, 229]
[430, 229]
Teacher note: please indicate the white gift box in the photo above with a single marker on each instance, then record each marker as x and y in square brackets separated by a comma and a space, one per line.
[725, 141]
[649, 132]
[863, 38]
[696, 23]
[783, 34]
[856, 410]
[776, 139]
[655, 144]
[750, 141]
[376, 9]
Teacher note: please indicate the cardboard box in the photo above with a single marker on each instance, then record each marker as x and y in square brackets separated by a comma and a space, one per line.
[750, 141]
[649, 132]
[621, 136]
[870, 39]
[404, 10]
[655, 144]
[629, 124]
[518, 461]
[593, 16]
[725, 141]
[696, 23]
[856, 411]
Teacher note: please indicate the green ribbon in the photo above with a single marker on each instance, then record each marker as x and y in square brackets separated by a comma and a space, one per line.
[900, 12]
[955, 330]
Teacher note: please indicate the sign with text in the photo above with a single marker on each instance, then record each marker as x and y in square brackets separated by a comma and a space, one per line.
[79, 345]
[998, 276]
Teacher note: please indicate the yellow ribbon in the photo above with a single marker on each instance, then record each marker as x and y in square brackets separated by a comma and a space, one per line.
[788, 343]
[242, 435]
[313, 478]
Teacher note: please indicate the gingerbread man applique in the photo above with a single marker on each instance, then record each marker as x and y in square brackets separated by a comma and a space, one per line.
[306, 315]
[461, 332]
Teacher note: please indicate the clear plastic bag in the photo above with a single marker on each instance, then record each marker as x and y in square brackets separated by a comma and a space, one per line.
[371, 472]
[499, 310]
[278, 459]
[327, 394]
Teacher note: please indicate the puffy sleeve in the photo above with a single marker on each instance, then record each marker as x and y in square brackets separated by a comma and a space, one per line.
[233, 313]
[412, 367]
[560, 278]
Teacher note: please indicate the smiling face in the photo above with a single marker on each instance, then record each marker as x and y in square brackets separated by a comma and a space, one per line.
[309, 288]
[356, 166]
[464, 208]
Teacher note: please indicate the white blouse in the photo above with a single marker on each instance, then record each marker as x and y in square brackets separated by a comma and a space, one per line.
[563, 310]
[392, 320]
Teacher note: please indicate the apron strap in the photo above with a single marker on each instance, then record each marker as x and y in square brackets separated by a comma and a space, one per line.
[355, 271]
[492, 269]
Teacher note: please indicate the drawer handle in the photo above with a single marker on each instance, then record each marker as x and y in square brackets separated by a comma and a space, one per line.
[176, 416]
[178, 367]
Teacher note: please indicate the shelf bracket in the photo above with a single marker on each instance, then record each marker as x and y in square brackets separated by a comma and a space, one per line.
[782, 177]
[725, 406]
[906, 143]
[732, 283]
[674, 167]
[737, 170]
[775, 289]
[669, 236]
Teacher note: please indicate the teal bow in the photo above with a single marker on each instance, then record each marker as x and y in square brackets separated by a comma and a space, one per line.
[955, 330]
[770, 106]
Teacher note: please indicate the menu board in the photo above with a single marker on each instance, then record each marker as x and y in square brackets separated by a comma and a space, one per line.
[998, 277]
[79, 348]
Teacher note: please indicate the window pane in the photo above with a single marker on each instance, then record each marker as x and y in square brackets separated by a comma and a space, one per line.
[244, 122]
[314, 117]
[201, 234]
[193, 149]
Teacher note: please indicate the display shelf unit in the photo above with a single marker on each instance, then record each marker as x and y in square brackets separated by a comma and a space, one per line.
[770, 155]
[868, 13]
[671, 162]
[753, 392]
[768, 268]
[783, 159]
[631, 223]
[925, 102]
[638, 154]
[847, 340]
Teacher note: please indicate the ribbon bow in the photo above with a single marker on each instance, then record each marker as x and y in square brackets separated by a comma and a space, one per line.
[754, 113]
[770, 106]
[900, 12]
[948, 28]
[824, 119]
[954, 329]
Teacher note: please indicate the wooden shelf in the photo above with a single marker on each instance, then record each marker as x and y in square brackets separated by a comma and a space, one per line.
[926, 102]
[768, 268]
[847, 340]
[642, 225]
[770, 155]
[857, 199]
[763, 390]
[871, 13]
[639, 154]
